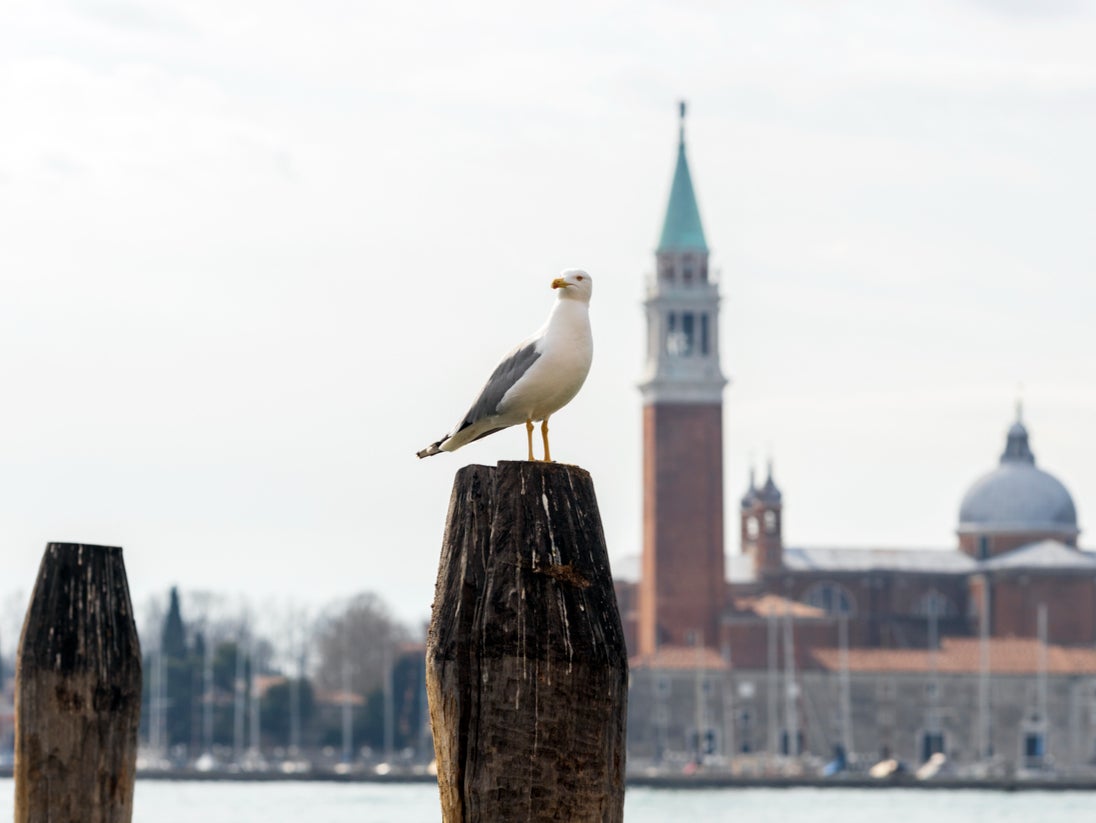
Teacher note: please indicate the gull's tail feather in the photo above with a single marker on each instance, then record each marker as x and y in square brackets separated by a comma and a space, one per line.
[433, 448]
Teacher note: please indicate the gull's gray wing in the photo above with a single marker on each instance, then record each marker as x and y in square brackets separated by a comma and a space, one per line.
[505, 375]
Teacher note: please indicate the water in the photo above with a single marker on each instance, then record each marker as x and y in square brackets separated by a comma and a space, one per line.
[166, 802]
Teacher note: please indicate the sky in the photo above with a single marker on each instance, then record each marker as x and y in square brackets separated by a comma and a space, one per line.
[254, 255]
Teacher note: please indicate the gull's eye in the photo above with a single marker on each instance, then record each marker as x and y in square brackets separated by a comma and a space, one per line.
[579, 277]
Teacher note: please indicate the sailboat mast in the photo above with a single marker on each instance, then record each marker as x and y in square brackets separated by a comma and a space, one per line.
[238, 703]
[728, 708]
[774, 685]
[389, 709]
[1042, 682]
[983, 674]
[347, 726]
[253, 694]
[207, 698]
[843, 682]
[791, 694]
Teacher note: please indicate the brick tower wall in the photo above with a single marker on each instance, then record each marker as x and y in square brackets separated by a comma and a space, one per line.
[682, 585]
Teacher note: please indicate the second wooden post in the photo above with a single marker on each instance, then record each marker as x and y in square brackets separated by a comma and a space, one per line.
[527, 671]
[77, 691]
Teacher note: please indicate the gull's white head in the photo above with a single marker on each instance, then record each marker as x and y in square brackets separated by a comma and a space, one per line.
[574, 284]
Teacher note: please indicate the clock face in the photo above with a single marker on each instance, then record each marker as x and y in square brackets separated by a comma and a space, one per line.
[681, 334]
[770, 522]
[677, 344]
[751, 527]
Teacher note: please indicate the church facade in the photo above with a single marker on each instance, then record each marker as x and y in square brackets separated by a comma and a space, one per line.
[1016, 578]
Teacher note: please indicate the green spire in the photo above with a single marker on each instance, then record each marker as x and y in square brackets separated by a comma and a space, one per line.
[682, 230]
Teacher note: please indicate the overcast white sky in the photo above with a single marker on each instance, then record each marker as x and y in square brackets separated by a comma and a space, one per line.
[254, 255]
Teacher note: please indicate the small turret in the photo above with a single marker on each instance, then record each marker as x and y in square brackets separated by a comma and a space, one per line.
[762, 525]
[1017, 447]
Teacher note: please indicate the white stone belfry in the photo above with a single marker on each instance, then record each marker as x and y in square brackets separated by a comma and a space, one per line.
[682, 304]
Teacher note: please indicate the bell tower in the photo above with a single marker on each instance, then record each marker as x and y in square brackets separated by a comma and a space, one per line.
[762, 527]
[682, 581]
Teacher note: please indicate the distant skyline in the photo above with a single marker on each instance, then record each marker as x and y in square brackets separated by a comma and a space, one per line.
[252, 258]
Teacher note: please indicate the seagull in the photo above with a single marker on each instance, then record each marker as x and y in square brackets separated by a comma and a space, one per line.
[541, 375]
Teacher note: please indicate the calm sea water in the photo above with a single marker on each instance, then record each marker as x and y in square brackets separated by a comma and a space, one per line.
[163, 802]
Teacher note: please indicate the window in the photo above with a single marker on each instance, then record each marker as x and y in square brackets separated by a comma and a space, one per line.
[785, 739]
[931, 743]
[1034, 745]
[687, 268]
[1033, 742]
[983, 547]
[674, 342]
[752, 528]
[831, 598]
[704, 334]
[707, 742]
[688, 331]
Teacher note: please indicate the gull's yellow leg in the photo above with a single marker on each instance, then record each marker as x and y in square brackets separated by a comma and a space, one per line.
[544, 434]
[529, 434]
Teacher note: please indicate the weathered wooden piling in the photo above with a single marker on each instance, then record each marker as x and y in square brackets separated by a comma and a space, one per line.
[527, 671]
[77, 691]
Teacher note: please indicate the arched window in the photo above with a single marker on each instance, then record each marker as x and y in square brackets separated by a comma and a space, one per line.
[688, 331]
[752, 528]
[831, 598]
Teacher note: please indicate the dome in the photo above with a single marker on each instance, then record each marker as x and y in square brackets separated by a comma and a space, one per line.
[750, 496]
[770, 493]
[1017, 496]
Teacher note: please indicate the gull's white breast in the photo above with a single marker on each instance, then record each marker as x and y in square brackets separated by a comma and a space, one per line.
[566, 350]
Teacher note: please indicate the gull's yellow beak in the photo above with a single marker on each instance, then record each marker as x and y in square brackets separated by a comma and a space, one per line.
[560, 283]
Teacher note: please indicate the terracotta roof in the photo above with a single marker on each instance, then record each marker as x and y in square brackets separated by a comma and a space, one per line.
[680, 658]
[264, 682]
[765, 604]
[1007, 655]
[338, 698]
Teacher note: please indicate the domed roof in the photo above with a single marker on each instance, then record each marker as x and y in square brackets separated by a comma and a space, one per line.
[1017, 496]
[751, 493]
[770, 492]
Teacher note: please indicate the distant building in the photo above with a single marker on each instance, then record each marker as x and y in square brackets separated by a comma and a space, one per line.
[1016, 586]
[681, 591]
[902, 703]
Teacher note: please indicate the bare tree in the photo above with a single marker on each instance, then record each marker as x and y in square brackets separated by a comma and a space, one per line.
[361, 634]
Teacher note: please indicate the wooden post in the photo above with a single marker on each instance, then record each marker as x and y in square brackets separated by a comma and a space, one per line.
[527, 671]
[77, 691]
